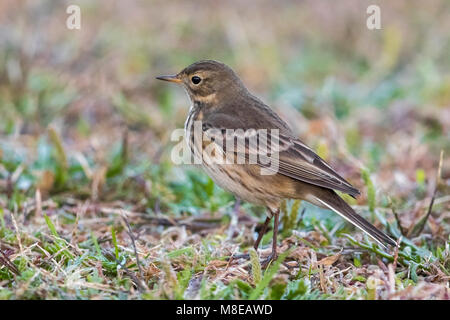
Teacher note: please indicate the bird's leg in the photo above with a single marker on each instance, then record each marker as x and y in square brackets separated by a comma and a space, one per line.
[237, 206]
[234, 218]
[261, 233]
[256, 244]
[273, 256]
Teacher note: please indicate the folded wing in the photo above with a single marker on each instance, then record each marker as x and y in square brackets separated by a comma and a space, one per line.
[295, 159]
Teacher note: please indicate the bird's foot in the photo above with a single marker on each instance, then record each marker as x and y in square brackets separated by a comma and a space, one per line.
[239, 256]
[267, 261]
[264, 262]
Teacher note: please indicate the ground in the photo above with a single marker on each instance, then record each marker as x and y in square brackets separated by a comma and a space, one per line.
[92, 207]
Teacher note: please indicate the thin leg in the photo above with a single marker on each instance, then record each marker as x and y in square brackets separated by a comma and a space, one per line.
[234, 218]
[261, 233]
[274, 254]
[237, 205]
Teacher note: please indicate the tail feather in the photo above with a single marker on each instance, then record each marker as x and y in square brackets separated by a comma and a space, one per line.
[332, 201]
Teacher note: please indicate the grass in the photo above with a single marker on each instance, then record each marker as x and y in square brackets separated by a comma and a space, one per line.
[91, 206]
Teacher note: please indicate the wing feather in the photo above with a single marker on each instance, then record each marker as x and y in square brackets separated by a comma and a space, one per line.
[296, 160]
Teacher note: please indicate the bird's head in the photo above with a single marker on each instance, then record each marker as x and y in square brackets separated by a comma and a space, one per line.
[206, 81]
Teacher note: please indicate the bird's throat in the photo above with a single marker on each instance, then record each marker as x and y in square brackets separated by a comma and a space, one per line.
[210, 99]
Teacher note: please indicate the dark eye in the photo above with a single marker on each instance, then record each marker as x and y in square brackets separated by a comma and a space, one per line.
[196, 80]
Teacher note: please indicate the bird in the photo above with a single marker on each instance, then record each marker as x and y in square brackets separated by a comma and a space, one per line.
[226, 111]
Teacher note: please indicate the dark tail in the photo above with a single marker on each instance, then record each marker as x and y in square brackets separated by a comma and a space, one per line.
[331, 200]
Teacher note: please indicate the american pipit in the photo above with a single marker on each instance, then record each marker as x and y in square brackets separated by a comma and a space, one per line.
[221, 102]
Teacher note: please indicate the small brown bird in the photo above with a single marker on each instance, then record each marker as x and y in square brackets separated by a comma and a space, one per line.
[221, 102]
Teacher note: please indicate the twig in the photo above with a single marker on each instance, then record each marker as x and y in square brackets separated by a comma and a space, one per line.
[399, 223]
[8, 264]
[157, 208]
[124, 154]
[19, 241]
[9, 186]
[38, 203]
[139, 284]
[418, 228]
[130, 233]
[397, 247]
[133, 277]
[191, 224]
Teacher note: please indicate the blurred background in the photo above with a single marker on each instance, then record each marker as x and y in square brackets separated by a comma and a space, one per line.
[82, 107]
[85, 127]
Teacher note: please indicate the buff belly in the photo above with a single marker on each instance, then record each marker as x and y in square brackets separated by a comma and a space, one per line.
[234, 179]
[238, 179]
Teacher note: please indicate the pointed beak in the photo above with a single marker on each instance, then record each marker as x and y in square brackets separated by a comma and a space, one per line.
[173, 78]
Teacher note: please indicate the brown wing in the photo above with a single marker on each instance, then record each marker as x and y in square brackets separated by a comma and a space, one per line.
[301, 163]
[295, 159]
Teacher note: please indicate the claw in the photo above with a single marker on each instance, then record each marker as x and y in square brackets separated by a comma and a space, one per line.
[266, 262]
[239, 256]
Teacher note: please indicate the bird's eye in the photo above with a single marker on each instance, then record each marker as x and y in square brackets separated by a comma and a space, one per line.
[196, 79]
